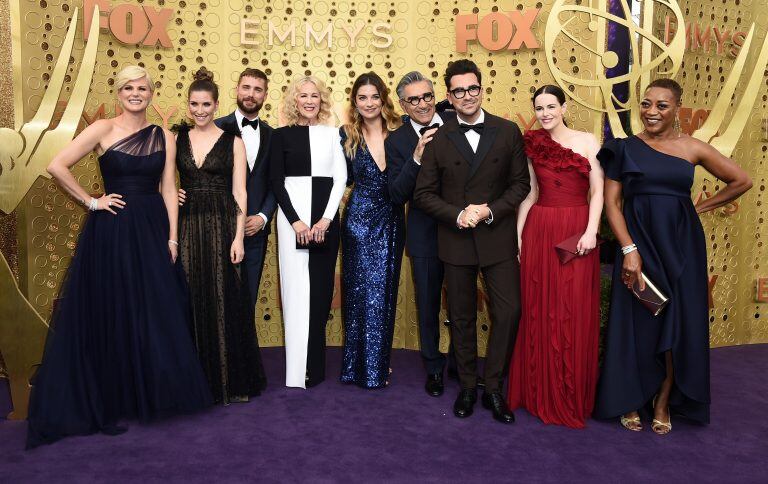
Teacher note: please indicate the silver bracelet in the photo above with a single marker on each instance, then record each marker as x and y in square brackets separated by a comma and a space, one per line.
[173, 242]
[628, 248]
[93, 205]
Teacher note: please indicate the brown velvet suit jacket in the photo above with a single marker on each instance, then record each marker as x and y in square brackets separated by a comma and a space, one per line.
[452, 177]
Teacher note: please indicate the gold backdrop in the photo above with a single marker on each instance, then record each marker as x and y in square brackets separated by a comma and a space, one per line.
[39, 236]
[736, 236]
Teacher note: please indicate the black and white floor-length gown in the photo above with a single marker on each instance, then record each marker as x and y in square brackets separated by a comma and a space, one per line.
[308, 173]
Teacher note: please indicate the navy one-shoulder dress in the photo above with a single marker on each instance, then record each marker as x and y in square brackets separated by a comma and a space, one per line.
[119, 346]
[663, 222]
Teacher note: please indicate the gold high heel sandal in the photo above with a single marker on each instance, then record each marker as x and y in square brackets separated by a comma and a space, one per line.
[629, 422]
[659, 427]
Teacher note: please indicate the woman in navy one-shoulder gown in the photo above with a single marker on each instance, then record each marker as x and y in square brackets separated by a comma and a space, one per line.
[664, 359]
[119, 345]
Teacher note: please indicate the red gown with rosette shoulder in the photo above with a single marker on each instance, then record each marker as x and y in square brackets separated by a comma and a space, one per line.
[554, 369]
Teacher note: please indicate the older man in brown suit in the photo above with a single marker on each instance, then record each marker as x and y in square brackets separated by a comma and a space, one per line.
[474, 175]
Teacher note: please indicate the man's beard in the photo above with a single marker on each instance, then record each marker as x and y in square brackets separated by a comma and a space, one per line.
[245, 110]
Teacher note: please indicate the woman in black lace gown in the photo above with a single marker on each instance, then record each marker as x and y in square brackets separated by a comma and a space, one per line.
[212, 168]
[119, 346]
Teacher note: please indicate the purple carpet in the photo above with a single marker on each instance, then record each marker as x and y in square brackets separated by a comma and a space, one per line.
[336, 432]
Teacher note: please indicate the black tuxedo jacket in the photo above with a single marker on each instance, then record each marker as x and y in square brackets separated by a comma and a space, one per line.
[260, 196]
[402, 170]
[452, 177]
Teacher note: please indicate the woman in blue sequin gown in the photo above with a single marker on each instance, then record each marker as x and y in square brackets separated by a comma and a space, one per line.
[373, 237]
[119, 345]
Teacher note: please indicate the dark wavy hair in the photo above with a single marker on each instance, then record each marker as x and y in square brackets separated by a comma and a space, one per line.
[459, 67]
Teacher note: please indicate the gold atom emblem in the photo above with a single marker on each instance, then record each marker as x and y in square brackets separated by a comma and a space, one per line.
[580, 31]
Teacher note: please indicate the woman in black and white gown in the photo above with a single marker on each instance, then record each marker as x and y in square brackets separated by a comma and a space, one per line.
[308, 173]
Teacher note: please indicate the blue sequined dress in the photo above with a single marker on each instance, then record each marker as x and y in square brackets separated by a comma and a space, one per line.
[373, 237]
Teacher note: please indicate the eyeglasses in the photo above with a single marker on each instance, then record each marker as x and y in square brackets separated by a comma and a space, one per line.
[459, 92]
[415, 100]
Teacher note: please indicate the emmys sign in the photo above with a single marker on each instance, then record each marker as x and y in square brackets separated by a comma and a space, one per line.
[255, 33]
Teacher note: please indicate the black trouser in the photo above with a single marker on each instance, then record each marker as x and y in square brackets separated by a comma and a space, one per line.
[255, 250]
[502, 282]
[428, 280]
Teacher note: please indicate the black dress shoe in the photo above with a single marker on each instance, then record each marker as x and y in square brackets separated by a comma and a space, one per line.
[465, 403]
[496, 404]
[434, 385]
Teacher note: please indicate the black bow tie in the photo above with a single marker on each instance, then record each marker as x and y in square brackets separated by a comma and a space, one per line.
[477, 127]
[248, 122]
[427, 128]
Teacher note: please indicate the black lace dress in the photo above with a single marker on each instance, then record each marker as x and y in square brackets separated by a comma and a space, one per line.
[223, 316]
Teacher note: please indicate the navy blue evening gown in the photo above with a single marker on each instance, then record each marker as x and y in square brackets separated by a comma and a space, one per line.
[663, 222]
[119, 346]
[373, 238]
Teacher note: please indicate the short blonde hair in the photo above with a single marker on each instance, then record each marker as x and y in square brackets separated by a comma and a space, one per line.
[132, 73]
[291, 112]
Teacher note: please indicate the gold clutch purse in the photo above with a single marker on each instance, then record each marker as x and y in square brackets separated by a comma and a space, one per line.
[650, 297]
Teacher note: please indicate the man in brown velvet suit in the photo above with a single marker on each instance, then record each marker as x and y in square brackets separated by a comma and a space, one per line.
[474, 174]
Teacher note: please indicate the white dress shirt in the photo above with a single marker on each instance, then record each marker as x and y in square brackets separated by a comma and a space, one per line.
[251, 138]
[252, 141]
[436, 119]
[473, 137]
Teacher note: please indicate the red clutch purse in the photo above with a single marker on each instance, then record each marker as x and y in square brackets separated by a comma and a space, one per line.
[566, 250]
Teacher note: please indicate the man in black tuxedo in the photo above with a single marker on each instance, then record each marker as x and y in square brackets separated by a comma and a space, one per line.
[473, 176]
[256, 134]
[404, 148]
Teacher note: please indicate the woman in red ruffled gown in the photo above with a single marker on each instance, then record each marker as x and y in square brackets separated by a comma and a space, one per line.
[554, 365]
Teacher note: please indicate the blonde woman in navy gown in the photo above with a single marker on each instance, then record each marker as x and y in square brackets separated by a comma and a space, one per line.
[119, 346]
[373, 237]
[308, 175]
[662, 360]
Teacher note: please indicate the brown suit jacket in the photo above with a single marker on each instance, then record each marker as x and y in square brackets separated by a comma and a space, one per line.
[452, 177]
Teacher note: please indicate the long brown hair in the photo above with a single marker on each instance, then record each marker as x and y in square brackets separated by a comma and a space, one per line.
[354, 130]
